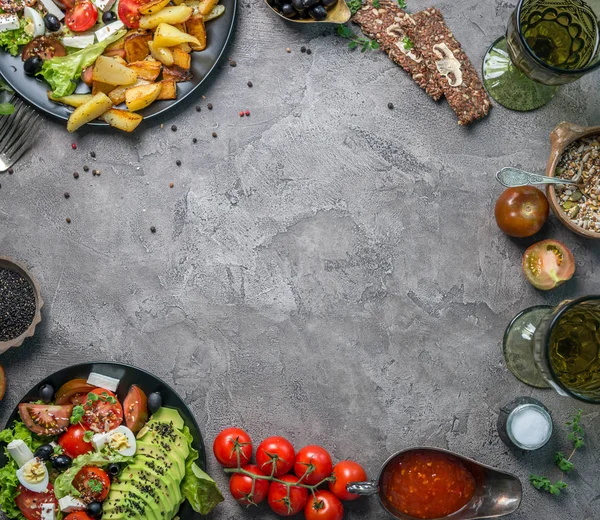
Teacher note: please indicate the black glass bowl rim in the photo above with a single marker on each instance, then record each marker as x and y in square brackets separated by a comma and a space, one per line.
[556, 70]
[548, 332]
[126, 366]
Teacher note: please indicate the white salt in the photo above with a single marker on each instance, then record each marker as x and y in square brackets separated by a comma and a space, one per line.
[529, 427]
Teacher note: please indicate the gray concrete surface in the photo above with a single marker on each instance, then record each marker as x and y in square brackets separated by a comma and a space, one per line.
[326, 269]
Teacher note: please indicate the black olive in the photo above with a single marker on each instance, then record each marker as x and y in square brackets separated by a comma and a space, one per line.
[298, 5]
[94, 509]
[155, 401]
[109, 16]
[317, 12]
[52, 22]
[309, 3]
[288, 10]
[62, 462]
[328, 3]
[46, 391]
[44, 452]
[113, 469]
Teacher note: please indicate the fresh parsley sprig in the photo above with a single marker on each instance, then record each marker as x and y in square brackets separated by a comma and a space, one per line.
[77, 414]
[576, 436]
[355, 41]
[402, 4]
[408, 44]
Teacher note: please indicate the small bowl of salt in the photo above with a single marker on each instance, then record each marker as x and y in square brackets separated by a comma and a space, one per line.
[525, 423]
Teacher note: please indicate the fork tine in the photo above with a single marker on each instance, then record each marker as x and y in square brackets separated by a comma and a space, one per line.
[13, 124]
[18, 135]
[14, 132]
[7, 121]
[23, 142]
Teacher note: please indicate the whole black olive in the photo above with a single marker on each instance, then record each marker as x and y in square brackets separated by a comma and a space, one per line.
[109, 16]
[113, 469]
[317, 12]
[328, 3]
[309, 3]
[155, 401]
[298, 5]
[94, 509]
[288, 10]
[52, 22]
[62, 462]
[32, 66]
[44, 452]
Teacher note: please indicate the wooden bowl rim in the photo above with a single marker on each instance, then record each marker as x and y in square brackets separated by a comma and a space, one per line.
[9, 263]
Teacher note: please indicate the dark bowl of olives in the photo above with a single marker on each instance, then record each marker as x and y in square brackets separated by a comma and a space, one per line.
[311, 11]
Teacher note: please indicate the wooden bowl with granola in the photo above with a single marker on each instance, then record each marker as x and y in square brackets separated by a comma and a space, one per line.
[575, 155]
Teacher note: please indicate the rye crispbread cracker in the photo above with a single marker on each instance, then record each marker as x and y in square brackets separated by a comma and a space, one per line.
[386, 25]
[461, 86]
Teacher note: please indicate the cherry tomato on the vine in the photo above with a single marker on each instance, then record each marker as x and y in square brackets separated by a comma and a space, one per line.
[345, 472]
[285, 505]
[275, 456]
[231, 442]
[241, 489]
[82, 16]
[324, 506]
[313, 464]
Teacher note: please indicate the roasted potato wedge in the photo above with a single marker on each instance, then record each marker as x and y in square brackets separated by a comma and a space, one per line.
[74, 100]
[153, 7]
[116, 45]
[109, 70]
[168, 36]
[176, 74]
[136, 46]
[185, 47]
[122, 119]
[162, 54]
[169, 89]
[178, 2]
[171, 15]
[195, 27]
[146, 69]
[138, 98]
[118, 95]
[206, 6]
[215, 12]
[98, 86]
[181, 59]
[89, 111]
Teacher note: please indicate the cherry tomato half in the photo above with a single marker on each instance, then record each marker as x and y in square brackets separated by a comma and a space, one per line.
[73, 392]
[229, 443]
[30, 503]
[278, 498]
[345, 472]
[521, 212]
[128, 12]
[103, 412]
[43, 46]
[313, 464]
[240, 487]
[324, 506]
[45, 419]
[276, 456]
[82, 16]
[73, 443]
[135, 408]
[548, 264]
[92, 483]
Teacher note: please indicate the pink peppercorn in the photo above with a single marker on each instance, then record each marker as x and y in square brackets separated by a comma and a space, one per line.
[74, 146]
[247, 112]
[241, 113]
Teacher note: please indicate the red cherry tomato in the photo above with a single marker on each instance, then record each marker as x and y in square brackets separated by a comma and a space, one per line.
[313, 464]
[128, 12]
[285, 505]
[324, 506]
[136, 409]
[73, 443]
[521, 212]
[30, 503]
[82, 16]
[345, 472]
[231, 442]
[275, 455]
[103, 412]
[240, 487]
[78, 515]
[92, 483]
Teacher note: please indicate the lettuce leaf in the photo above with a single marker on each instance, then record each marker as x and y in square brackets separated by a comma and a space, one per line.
[63, 485]
[63, 72]
[12, 40]
[197, 487]
[8, 474]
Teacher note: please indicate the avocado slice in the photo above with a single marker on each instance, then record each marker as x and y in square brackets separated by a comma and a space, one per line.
[152, 493]
[168, 415]
[157, 471]
[170, 461]
[165, 436]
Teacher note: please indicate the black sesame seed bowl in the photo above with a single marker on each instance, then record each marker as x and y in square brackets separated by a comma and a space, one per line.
[34, 317]
[311, 11]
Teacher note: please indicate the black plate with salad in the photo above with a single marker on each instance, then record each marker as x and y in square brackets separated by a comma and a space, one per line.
[103, 440]
[47, 46]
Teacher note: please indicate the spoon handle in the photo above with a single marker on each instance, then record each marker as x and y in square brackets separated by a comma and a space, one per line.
[534, 178]
[513, 177]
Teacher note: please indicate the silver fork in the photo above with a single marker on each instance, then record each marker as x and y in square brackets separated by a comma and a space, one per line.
[16, 133]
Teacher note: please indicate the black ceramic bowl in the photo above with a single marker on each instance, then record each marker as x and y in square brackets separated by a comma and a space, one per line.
[128, 375]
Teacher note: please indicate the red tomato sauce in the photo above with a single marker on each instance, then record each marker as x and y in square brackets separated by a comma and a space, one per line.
[427, 484]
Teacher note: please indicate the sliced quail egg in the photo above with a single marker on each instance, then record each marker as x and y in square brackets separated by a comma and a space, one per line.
[34, 475]
[121, 440]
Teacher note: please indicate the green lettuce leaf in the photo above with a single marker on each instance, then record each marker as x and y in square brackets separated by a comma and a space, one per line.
[8, 474]
[63, 485]
[63, 72]
[197, 487]
[12, 40]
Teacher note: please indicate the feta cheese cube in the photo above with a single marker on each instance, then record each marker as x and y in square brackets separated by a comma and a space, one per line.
[52, 8]
[69, 504]
[110, 383]
[9, 22]
[20, 452]
[104, 5]
[108, 30]
[78, 42]
[48, 512]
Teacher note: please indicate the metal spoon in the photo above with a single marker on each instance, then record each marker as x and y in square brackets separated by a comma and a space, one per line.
[512, 177]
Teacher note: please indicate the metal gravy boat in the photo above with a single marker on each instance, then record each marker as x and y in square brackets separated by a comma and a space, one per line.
[496, 493]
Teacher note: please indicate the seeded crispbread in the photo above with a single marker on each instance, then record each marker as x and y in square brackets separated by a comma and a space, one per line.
[387, 25]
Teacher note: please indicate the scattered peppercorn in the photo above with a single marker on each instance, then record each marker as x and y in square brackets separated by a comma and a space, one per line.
[303, 49]
[247, 112]
[68, 220]
[194, 140]
[209, 106]
[17, 305]
[67, 194]
[86, 168]
[74, 146]
[308, 51]
[250, 84]
[214, 134]
[241, 113]
[390, 106]
[232, 63]
[76, 175]
[174, 128]
[11, 171]
[288, 50]
[93, 155]
[152, 229]
[171, 185]
[178, 162]
[198, 108]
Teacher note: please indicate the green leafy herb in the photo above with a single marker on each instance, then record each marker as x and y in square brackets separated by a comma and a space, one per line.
[12, 40]
[87, 436]
[354, 6]
[562, 462]
[402, 4]
[376, 4]
[95, 485]
[355, 41]
[77, 414]
[91, 398]
[6, 109]
[408, 44]
[58, 450]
